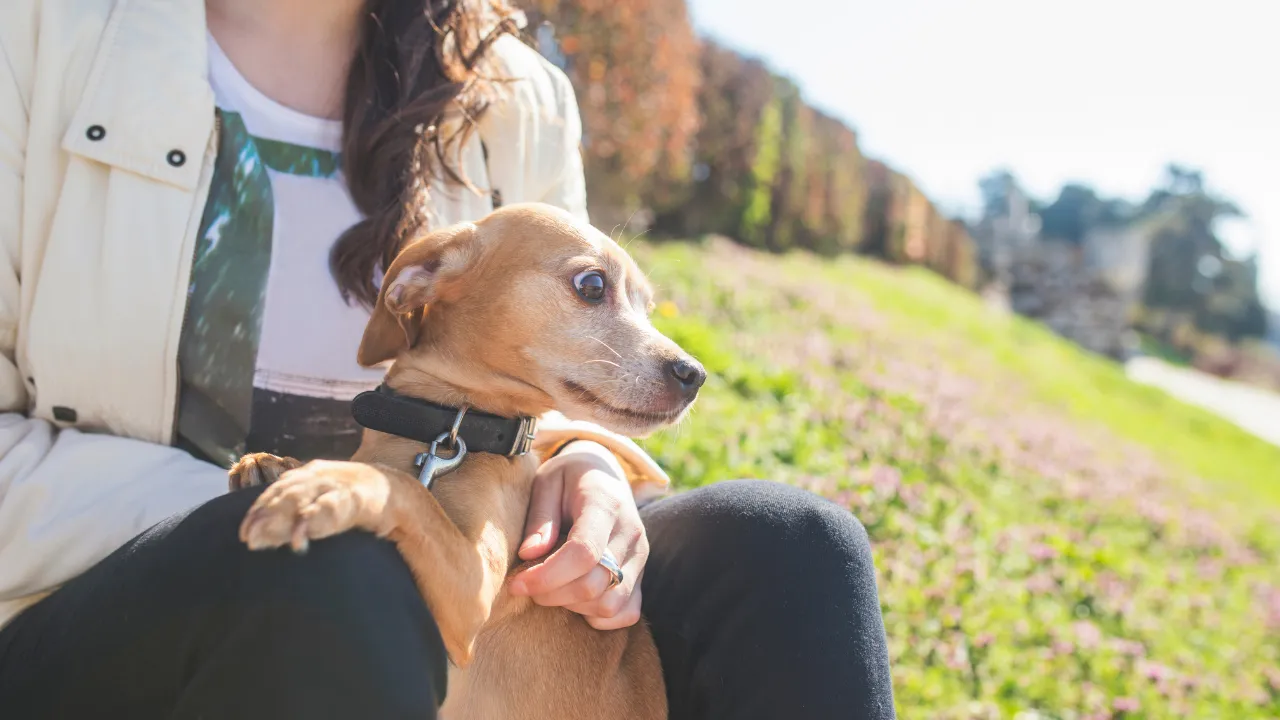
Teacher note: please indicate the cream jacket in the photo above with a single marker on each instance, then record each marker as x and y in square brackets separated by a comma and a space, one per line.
[107, 141]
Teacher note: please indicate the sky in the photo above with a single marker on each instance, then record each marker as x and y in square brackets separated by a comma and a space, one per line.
[1106, 92]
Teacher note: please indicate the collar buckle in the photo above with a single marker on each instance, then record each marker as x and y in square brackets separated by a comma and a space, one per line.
[524, 436]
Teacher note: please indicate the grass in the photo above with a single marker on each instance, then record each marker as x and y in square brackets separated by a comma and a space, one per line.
[1052, 540]
[1154, 347]
[1090, 388]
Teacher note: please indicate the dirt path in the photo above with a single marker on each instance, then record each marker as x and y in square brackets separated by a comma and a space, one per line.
[1254, 409]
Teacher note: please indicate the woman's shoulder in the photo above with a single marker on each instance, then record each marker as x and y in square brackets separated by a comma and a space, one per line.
[526, 78]
[533, 130]
[19, 28]
[68, 30]
[21, 21]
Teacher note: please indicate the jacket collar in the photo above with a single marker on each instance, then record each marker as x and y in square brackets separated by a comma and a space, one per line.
[147, 95]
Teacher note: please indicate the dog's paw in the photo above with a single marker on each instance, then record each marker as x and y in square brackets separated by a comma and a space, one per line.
[258, 469]
[314, 501]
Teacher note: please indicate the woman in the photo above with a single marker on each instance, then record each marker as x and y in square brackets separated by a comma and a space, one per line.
[195, 201]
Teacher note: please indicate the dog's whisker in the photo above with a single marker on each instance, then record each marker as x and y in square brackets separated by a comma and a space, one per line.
[606, 346]
[635, 237]
[623, 229]
[606, 362]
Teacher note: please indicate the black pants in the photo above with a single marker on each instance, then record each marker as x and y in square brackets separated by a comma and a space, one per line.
[761, 597]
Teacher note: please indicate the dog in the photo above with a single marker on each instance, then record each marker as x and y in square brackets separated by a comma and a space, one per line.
[524, 312]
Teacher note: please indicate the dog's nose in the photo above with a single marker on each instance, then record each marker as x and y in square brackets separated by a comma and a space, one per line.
[688, 374]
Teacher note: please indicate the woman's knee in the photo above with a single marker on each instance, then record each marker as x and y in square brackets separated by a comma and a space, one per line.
[352, 580]
[351, 572]
[351, 575]
[347, 611]
[765, 585]
[779, 519]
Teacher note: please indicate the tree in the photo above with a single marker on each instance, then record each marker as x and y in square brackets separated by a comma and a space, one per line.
[996, 188]
[1190, 270]
[634, 66]
[1078, 210]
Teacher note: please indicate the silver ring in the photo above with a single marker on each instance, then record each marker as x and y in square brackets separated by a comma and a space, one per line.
[610, 563]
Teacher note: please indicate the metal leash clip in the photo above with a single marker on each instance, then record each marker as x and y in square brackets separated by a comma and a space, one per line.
[432, 465]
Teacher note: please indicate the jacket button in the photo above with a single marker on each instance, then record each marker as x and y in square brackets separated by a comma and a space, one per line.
[176, 158]
[96, 132]
[64, 414]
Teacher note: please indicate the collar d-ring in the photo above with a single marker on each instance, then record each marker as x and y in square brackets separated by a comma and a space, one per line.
[457, 424]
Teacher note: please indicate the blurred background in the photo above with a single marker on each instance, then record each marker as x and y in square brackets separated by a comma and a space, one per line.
[1001, 277]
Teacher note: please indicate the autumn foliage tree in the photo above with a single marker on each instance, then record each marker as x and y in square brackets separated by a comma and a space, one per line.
[903, 226]
[732, 105]
[705, 140]
[634, 64]
[769, 170]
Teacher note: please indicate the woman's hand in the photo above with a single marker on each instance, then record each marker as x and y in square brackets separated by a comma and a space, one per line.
[584, 485]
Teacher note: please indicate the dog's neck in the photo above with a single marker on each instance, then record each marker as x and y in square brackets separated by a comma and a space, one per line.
[501, 395]
[426, 374]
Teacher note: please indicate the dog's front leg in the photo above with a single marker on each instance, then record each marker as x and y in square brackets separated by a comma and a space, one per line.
[458, 579]
[460, 576]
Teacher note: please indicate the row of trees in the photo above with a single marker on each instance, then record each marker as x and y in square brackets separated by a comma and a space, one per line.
[1192, 281]
[695, 138]
[704, 140]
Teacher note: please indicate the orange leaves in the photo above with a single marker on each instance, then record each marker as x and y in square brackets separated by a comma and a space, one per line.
[771, 170]
[635, 66]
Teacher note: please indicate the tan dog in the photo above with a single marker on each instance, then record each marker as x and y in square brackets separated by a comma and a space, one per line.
[523, 312]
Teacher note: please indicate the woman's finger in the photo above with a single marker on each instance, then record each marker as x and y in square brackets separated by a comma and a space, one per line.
[626, 616]
[580, 553]
[542, 527]
[586, 591]
[633, 549]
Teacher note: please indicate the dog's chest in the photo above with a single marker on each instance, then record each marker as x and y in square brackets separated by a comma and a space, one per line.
[487, 495]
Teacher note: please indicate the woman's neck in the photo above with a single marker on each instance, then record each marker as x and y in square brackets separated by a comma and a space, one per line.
[296, 52]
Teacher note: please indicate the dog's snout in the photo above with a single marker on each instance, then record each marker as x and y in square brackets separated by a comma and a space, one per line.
[687, 375]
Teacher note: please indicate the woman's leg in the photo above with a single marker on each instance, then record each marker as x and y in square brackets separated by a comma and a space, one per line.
[762, 598]
[185, 622]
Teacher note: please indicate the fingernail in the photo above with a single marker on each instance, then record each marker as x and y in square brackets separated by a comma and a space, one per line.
[517, 587]
[534, 539]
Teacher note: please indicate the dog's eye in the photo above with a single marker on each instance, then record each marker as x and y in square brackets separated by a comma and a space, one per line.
[590, 285]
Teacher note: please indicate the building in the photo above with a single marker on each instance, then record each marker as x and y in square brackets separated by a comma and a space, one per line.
[1008, 227]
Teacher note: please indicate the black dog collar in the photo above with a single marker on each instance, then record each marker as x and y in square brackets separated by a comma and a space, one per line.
[386, 411]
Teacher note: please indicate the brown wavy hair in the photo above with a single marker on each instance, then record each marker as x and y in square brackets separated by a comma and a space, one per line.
[418, 83]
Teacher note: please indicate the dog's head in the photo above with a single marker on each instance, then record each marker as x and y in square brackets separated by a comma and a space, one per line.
[530, 310]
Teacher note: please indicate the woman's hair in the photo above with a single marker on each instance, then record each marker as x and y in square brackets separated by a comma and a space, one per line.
[417, 85]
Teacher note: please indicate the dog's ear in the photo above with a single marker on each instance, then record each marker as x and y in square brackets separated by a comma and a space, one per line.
[420, 275]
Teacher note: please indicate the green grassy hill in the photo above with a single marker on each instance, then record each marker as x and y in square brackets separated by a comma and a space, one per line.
[1051, 538]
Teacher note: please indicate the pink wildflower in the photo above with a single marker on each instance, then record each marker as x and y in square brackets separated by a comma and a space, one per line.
[1042, 552]
[1133, 648]
[1087, 634]
[1209, 568]
[1126, 705]
[1273, 678]
[1041, 583]
[1271, 605]
[1153, 671]
[954, 656]
[886, 480]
